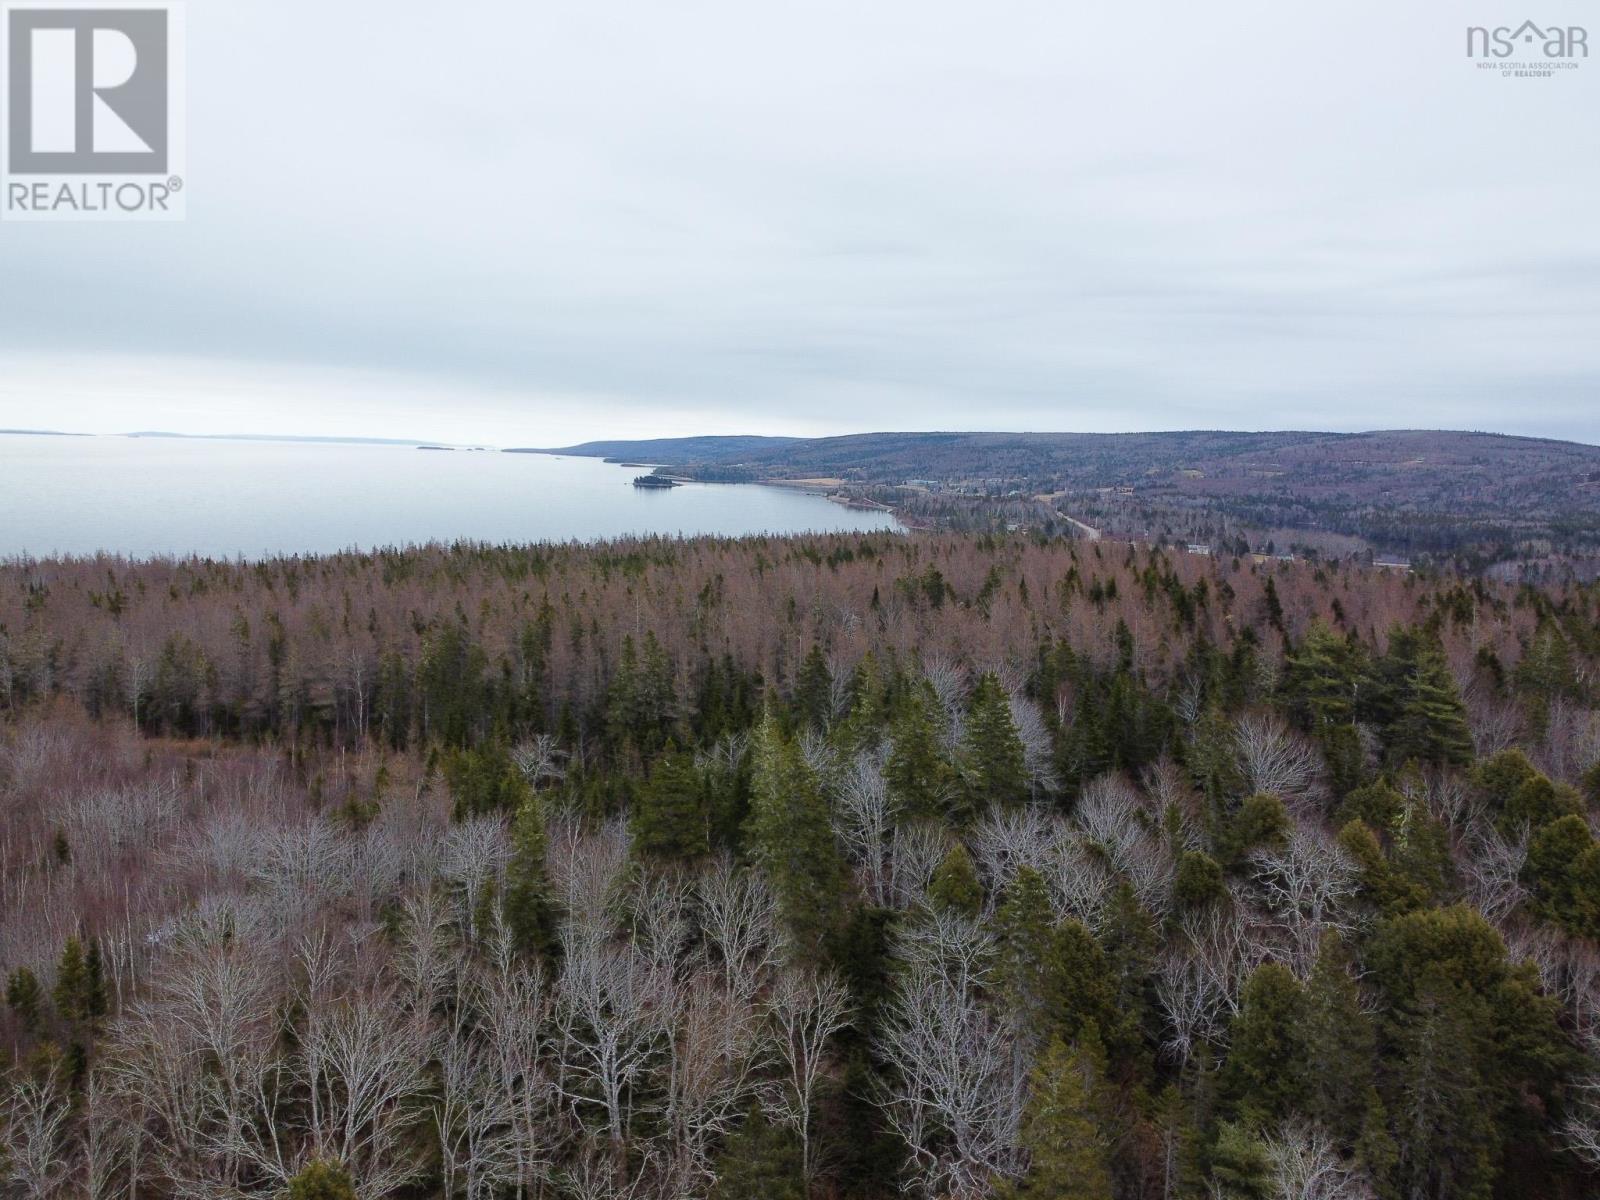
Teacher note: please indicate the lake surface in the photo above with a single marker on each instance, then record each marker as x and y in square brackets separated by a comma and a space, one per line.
[151, 496]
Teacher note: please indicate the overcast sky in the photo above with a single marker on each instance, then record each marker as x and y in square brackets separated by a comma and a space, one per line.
[535, 221]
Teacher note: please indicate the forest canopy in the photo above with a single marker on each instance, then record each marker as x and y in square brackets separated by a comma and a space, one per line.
[844, 866]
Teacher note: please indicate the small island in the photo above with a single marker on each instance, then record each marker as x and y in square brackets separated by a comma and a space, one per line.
[654, 481]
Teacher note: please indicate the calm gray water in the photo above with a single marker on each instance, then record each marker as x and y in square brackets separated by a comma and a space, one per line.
[149, 496]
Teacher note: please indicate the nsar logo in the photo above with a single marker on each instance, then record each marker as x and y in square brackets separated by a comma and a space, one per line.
[1528, 51]
[93, 126]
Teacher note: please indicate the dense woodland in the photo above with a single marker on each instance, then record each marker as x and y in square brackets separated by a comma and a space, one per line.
[934, 865]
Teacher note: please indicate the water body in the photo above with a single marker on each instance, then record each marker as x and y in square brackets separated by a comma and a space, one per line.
[142, 497]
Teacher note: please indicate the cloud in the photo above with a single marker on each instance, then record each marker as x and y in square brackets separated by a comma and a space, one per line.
[484, 218]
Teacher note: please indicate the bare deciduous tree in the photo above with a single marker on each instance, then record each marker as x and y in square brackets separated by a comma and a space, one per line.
[864, 815]
[1306, 883]
[739, 915]
[1305, 1165]
[915, 854]
[35, 1112]
[1276, 761]
[539, 759]
[1007, 840]
[952, 1094]
[807, 1009]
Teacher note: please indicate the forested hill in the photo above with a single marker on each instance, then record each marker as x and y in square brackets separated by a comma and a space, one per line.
[1399, 467]
[826, 868]
[1475, 497]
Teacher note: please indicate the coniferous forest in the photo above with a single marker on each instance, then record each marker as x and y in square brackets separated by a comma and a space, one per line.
[832, 867]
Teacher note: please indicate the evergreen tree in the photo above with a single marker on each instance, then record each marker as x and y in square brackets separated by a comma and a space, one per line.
[95, 1001]
[1258, 822]
[1052, 979]
[1563, 873]
[1429, 721]
[1178, 1145]
[917, 772]
[1323, 680]
[1026, 978]
[640, 702]
[1545, 672]
[1346, 758]
[1131, 939]
[1537, 803]
[26, 998]
[484, 781]
[1084, 987]
[1240, 1169]
[322, 1181]
[671, 817]
[1378, 805]
[862, 728]
[1385, 888]
[529, 903]
[993, 764]
[1473, 1050]
[1199, 881]
[1258, 1080]
[955, 886]
[72, 991]
[450, 681]
[790, 836]
[1274, 607]
[1210, 757]
[813, 691]
[761, 1161]
[1591, 785]
[1063, 1126]
[1335, 1042]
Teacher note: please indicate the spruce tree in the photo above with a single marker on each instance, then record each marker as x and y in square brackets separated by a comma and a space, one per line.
[322, 1181]
[917, 772]
[95, 1001]
[1471, 1047]
[1199, 881]
[72, 982]
[484, 781]
[955, 886]
[1240, 1169]
[529, 905]
[1258, 1080]
[1430, 721]
[670, 817]
[1051, 978]
[26, 998]
[1026, 979]
[1336, 1043]
[1563, 873]
[813, 691]
[1323, 680]
[993, 762]
[1131, 938]
[761, 1161]
[790, 836]
[862, 728]
[1064, 1125]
